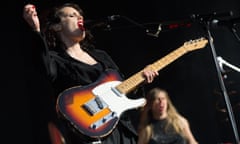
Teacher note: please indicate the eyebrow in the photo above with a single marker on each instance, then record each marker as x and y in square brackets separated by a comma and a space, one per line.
[71, 13]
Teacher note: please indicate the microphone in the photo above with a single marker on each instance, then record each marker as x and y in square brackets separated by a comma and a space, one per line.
[113, 17]
[102, 22]
[229, 22]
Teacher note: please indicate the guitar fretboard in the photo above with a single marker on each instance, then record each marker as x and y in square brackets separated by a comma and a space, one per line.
[134, 81]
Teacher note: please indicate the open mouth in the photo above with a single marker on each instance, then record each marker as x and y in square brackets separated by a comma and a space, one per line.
[80, 25]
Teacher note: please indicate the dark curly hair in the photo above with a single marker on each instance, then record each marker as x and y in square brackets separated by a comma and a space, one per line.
[53, 17]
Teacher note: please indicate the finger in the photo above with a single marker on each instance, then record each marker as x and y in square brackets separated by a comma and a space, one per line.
[150, 79]
[149, 76]
[30, 14]
[29, 6]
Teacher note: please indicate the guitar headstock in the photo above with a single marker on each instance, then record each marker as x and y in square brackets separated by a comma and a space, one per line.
[195, 44]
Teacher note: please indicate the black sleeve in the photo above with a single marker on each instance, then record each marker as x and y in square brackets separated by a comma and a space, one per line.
[41, 56]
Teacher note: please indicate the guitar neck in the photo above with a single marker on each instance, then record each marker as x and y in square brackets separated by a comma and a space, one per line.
[134, 81]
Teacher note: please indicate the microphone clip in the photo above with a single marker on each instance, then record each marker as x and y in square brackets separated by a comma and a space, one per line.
[156, 34]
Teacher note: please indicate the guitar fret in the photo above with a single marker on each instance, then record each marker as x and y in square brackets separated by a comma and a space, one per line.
[131, 83]
[136, 79]
[168, 59]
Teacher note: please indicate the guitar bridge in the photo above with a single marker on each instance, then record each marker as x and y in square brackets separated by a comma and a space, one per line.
[103, 120]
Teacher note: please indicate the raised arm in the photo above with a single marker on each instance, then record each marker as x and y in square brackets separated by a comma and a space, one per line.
[39, 50]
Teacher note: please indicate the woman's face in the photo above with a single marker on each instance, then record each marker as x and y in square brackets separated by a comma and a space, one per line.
[71, 24]
[159, 106]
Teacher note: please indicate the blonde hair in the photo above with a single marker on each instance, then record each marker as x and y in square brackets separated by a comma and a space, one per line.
[173, 118]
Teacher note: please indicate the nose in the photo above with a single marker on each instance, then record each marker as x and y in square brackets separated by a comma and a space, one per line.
[80, 17]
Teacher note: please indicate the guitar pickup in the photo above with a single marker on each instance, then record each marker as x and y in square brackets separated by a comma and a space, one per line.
[95, 105]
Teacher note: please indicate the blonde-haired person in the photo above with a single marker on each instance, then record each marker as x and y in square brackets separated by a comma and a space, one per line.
[161, 123]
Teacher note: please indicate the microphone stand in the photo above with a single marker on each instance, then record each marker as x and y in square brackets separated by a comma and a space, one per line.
[155, 34]
[222, 61]
[206, 24]
[161, 26]
[234, 31]
[231, 25]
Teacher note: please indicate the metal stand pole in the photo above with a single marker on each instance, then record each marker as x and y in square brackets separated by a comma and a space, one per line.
[222, 85]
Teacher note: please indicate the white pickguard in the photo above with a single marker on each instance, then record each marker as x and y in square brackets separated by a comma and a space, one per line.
[116, 102]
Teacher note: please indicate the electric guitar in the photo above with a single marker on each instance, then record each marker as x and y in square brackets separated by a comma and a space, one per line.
[94, 110]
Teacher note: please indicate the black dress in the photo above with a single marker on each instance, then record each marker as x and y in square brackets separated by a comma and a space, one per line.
[160, 136]
[65, 72]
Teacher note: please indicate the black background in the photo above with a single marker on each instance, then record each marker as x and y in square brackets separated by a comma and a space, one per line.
[191, 80]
